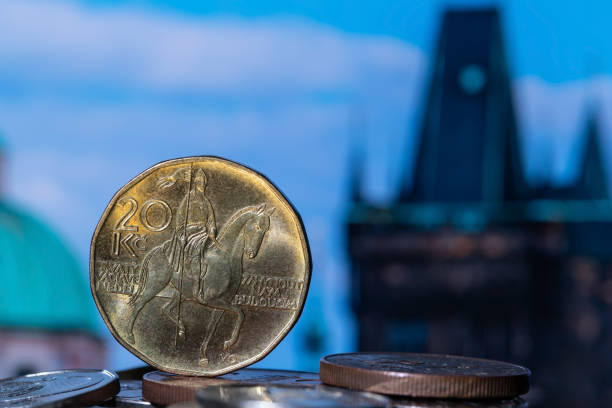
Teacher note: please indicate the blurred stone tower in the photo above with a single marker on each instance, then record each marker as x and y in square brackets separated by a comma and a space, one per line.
[470, 258]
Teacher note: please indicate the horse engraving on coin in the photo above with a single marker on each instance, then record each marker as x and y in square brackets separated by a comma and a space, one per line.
[199, 266]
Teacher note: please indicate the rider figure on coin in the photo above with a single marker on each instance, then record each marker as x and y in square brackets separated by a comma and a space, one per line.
[195, 230]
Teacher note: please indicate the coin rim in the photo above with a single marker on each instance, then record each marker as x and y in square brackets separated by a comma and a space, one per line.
[421, 384]
[123, 401]
[166, 393]
[303, 240]
[385, 400]
[408, 402]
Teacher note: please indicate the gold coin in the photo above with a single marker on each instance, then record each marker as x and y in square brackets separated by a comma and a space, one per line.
[164, 388]
[199, 266]
[425, 375]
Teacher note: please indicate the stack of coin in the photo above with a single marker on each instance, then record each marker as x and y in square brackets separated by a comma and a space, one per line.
[200, 266]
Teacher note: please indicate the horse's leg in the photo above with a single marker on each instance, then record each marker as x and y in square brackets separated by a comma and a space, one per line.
[215, 317]
[228, 307]
[170, 309]
[237, 326]
[140, 303]
[154, 284]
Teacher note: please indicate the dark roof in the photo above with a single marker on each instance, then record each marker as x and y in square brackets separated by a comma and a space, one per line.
[468, 149]
[468, 171]
[591, 182]
[355, 168]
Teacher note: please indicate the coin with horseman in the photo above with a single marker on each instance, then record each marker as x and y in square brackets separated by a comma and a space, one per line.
[199, 266]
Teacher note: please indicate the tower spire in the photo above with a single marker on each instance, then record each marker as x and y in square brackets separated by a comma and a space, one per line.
[356, 173]
[592, 182]
[356, 155]
[468, 149]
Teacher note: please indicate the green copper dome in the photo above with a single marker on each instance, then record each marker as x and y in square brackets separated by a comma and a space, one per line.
[41, 284]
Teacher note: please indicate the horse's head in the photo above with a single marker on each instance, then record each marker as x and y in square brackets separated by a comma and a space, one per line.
[255, 229]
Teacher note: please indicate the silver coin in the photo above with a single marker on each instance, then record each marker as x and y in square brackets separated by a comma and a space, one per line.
[130, 395]
[285, 396]
[59, 388]
[192, 404]
[426, 403]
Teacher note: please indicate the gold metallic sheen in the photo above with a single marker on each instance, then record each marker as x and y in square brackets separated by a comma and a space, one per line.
[199, 266]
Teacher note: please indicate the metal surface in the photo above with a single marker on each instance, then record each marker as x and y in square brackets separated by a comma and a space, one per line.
[130, 395]
[165, 388]
[61, 388]
[285, 396]
[428, 403]
[191, 404]
[199, 266]
[425, 375]
[134, 373]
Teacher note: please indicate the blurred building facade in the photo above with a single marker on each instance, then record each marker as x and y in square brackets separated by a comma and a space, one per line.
[472, 259]
[47, 317]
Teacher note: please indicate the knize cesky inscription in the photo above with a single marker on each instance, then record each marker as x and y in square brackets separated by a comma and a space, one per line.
[199, 266]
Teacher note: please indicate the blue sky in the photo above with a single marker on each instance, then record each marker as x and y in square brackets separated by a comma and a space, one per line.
[94, 92]
[555, 40]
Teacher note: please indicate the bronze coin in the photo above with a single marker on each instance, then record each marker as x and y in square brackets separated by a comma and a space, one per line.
[199, 266]
[425, 375]
[166, 388]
